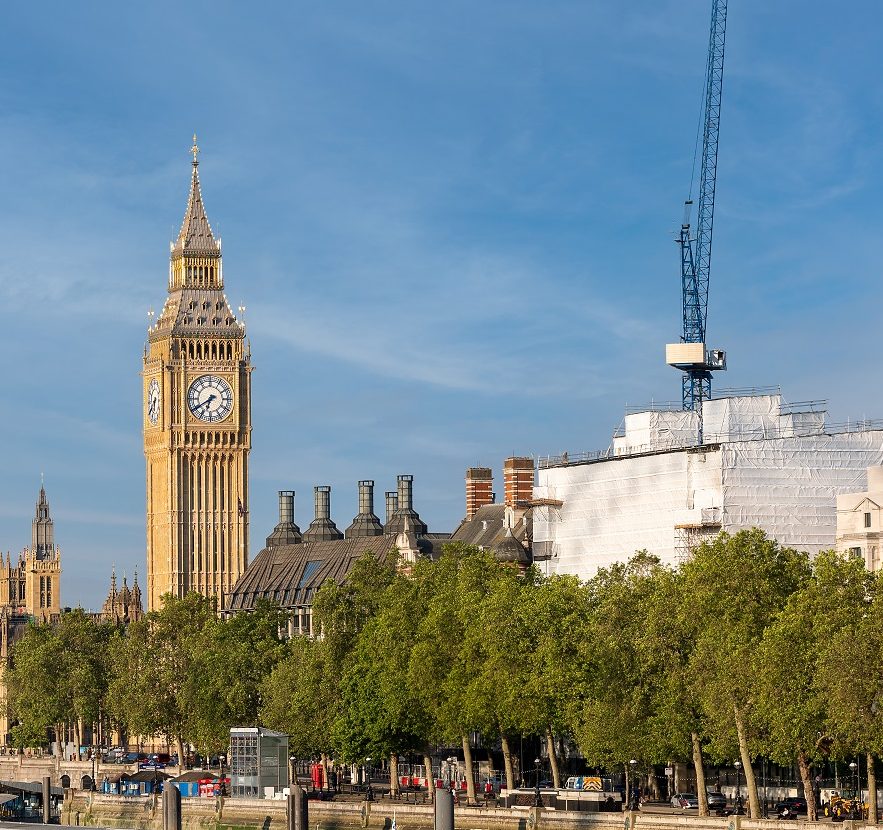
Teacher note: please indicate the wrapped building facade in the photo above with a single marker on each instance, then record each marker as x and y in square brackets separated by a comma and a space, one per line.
[762, 464]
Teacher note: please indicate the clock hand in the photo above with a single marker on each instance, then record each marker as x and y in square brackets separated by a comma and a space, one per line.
[207, 401]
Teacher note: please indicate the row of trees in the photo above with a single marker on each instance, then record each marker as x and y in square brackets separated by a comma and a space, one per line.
[747, 649]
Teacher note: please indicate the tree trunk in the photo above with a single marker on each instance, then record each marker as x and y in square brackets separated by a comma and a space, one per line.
[179, 743]
[750, 782]
[699, 769]
[806, 780]
[507, 764]
[394, 774]
[872, 789]
[467, 761]
[430, 780]
[553, 759]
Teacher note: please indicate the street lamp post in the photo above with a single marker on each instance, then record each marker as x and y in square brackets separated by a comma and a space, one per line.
[763, 810]
[221, 760]
[92, 753]
[856, 801]
[633, 788]
[369, 793]
[292, 771]
[537, 798]
[739, 808]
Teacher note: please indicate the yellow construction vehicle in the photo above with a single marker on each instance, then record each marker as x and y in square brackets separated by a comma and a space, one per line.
[846, 805]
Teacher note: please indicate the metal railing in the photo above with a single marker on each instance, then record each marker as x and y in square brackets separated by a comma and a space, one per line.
[710, 439]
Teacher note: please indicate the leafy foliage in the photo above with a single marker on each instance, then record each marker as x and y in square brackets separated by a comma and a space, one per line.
[746, 648]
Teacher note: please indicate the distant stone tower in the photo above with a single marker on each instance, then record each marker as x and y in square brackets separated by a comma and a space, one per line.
[32, 585]
[197, 422]
[122, 606]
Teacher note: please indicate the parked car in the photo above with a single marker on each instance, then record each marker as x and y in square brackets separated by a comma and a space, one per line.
[716, 800]
[686, 801]
[794, 805]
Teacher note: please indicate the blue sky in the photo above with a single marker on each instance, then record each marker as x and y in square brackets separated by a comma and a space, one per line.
[451, 226]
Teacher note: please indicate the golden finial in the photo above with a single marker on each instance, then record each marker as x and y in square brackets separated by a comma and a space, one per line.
[195, 150]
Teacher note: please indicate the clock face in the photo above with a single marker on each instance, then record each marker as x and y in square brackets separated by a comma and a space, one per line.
[153, 401]
[210, 398]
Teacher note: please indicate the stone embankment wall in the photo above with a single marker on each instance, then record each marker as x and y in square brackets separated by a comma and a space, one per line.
[88, 809]
[34, 767]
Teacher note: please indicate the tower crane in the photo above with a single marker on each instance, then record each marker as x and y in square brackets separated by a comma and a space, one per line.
[691, 355]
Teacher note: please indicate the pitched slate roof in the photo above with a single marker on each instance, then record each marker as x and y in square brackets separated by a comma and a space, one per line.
[487, 529]
[290, 575]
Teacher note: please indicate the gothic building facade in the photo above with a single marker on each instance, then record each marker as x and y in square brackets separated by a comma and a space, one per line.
[197, 422]
[31, 584]
[30, 589]
[123, 604]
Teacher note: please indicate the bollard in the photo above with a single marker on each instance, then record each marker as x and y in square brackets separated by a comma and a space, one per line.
[444, 810]
[47, 799]
[171, 808]
[297, 813]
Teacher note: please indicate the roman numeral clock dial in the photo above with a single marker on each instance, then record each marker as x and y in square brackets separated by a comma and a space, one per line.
[210, 398]
[153, 401]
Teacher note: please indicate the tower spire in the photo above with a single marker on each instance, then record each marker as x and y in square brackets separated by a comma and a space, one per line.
[195, 239]
[42, 529]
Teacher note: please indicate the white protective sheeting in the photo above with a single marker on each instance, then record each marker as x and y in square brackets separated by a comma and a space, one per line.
[789, 486]
[647, 431]
[611, 509]
[762, 471]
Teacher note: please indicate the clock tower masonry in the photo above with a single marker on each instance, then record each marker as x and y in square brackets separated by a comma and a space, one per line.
[197, 422]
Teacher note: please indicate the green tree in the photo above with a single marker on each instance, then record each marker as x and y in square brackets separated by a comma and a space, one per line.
[152, 690]
[502, 636]
[302, 695]
[37, 689]
[790, 707]
[556, 621]
[612, 719]
[296, 697]
[59, 675]
[849, 676]
[380, 716]
[674, 727]
[735, 586]
[87, 646]
[443, 659]
[224, 683]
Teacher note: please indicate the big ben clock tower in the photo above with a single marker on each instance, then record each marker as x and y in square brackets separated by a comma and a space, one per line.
[197, 422]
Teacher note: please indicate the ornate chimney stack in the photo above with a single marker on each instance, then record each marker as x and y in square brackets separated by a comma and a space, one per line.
[322, 529]
[479, 489]
[286, 532]
[518, 478]
[392, 504]
[406, 509]
[365, 523]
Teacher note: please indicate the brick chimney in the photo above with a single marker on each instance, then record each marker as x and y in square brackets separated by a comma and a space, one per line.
[518, 480]
[479, 489]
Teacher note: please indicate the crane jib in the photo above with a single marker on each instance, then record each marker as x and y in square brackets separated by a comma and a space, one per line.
[697, 363]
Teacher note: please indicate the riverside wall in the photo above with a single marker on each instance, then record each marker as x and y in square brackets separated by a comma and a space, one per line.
[34, 767]
[145, 813]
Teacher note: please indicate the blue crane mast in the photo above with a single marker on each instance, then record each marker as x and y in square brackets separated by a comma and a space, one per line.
[690, 355]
